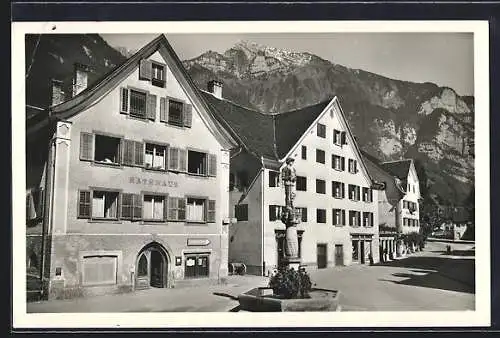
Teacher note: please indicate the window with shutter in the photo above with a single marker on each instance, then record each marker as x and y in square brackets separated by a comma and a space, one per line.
[158, 75]
[163, 110]
[84, 204]
[175, 112]
[343, 138]
[211, 211]
[151, 107]
[188, 115]
[212, 165]
[145, 70]
[124, 100]
[138, 106]
[86, 146]
[139, 154]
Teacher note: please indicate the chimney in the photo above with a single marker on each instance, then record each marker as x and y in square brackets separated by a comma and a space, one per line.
[57, 93]
[215, 87]
[80, 78]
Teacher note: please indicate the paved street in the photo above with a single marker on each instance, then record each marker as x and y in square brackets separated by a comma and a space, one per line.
[428, 280]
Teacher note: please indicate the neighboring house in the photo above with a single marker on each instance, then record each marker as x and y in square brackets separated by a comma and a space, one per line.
[127, 181]
[339, 214]
[390, 195]
[406, 177]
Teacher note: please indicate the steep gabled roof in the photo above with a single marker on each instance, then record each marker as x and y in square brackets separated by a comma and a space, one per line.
[253, 129]
[378, 172]
[399, 168]
[101, 87]
[290, 126]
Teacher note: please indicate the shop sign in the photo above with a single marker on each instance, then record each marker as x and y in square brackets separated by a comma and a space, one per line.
[198, 242]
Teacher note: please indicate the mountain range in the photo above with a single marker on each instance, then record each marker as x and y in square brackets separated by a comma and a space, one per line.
[391, 119]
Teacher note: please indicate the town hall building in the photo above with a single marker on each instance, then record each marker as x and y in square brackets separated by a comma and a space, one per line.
[127, 181]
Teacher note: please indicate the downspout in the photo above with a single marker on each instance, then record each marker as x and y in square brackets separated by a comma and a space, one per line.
[263, 223]
[48, 202]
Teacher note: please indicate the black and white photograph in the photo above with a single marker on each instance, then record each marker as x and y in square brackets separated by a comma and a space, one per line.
[237, 171]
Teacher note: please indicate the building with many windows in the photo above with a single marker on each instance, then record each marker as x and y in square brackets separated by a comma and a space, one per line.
[338, 209]
[397, 201]
[127, 181]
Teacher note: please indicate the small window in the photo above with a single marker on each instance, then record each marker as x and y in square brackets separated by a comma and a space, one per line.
[241, 212]
[274, 213]
[142, 266]
[353, 166]
[301, 183]
[320, 156]
[337, 189]
[367, 194]
[155, 156]
[320, 186]
[338, 217]
[321, 130]
[196, 266]
[337, 137]
[320, 215]
[197, 162]
[138, 103]
[304, 153]
[354, 192]
[303, 214]
[175, 109]
[338, 162]
[107, 149]
[367, 219]
[153, 208]
[195, 210]
[354, 218]
[158, 76]
[274, 179]
[105, 204]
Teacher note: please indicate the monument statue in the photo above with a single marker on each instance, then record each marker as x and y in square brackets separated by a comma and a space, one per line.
[288, 216]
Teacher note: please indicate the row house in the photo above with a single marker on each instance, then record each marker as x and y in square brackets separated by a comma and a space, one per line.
[127, 181]
[398, 201]
[334, 195]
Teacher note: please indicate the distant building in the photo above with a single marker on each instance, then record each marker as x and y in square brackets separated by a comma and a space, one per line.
[127, 181]
[339, 221]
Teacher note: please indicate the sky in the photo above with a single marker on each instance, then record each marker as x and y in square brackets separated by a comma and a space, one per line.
[446, 59]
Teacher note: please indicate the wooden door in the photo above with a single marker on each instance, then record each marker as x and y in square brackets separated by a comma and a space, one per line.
[339, 255]
[321, 256]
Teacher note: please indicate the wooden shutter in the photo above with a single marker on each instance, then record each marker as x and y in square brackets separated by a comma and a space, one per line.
[163, 110]
[334, 219]
[137, 207]
[212, 165]
[127, 206]
[371, 219]
[343, 217]
[38, 201]
[182, 160]
[211, 211]
[173, 158]
[172, 208]
[343, 190]
[304, 214]
[86, 146]
[181, 211]
[355, 166]
[342, 138]
[124, 100]
[139, 153]
[128, 152]
[187, 114]
[343, 163]
[151, 107]
[84, 205]
[145, 70]
[165, 207]
[272, 214]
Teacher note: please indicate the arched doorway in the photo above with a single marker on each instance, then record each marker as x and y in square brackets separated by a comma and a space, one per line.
[152, 267]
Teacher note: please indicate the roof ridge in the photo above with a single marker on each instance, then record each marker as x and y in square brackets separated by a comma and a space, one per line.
[403, 160]
[304, 107]
[234, 103]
